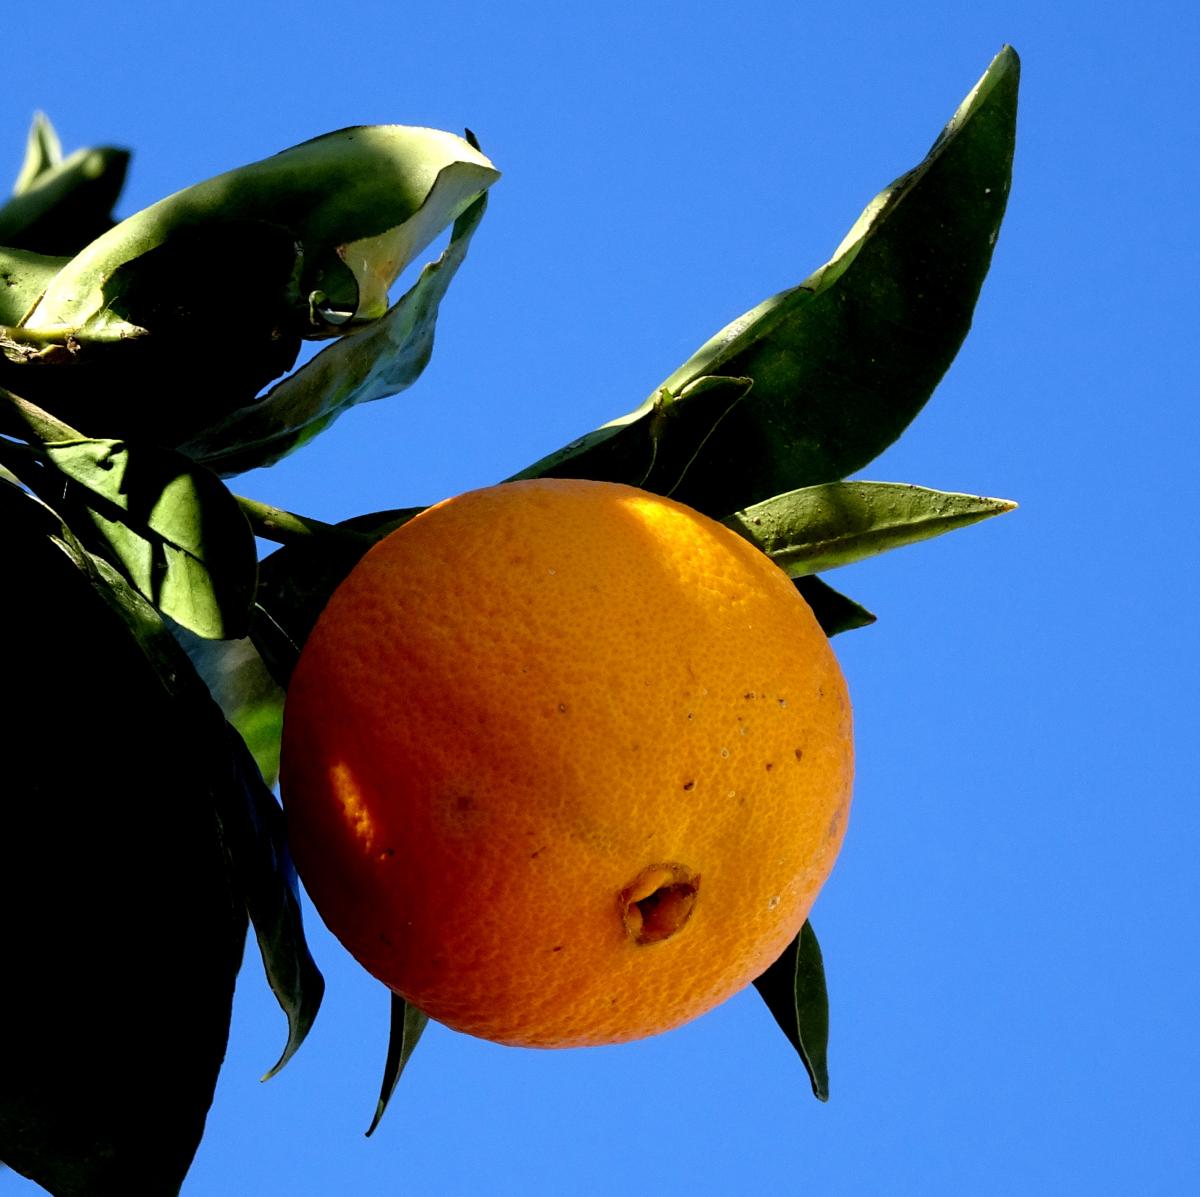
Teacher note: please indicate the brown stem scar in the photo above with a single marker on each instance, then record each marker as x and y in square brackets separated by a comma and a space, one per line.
[658, 902]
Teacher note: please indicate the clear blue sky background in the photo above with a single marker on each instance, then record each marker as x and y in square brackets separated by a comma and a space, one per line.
[1011, 932]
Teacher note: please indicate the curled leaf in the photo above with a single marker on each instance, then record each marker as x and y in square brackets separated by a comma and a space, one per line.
[380, 360]
[359, 204]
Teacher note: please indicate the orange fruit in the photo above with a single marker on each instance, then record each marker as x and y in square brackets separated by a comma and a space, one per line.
[565, 762]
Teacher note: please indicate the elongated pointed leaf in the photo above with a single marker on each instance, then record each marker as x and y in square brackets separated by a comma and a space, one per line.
[381, 360]
[407, 1025]
[268, 881]
[795, 993]
[820, 527]
[60, 205]
[843, 362]
[175, 530]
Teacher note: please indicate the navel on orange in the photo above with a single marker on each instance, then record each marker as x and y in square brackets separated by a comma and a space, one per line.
[565, 762]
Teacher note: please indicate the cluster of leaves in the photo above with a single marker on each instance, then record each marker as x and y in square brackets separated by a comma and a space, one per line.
[150, 650]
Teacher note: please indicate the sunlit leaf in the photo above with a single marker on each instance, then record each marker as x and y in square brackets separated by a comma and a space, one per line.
[183, 312]
[819, 527]
[23, 277]
[843, 362]
[794, 990]
[407, 1025]
[381, 360]
[359, 203]
[176, 531]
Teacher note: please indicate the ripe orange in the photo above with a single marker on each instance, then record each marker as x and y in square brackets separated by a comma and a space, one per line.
[565, 762]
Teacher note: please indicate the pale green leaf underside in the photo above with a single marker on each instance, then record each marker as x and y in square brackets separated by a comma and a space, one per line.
[820, 527]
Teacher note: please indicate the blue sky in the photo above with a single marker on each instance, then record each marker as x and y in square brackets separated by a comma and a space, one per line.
[1011, 932]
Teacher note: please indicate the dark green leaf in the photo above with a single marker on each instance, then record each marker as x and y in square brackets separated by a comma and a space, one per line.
[244, 690]
[383, 359]
[794, 990]
[176, 531]
[843, 362]
[250, 820]
[655, 446]
[60, 205]
[264, 869]
[123, 930]
[820, 527]
[165, 384]
[833, 610]
[407, 1025]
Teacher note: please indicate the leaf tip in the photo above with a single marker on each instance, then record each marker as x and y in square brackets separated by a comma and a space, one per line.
[379, 1108]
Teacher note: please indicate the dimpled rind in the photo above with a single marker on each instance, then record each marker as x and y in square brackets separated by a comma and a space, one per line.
[520, 701]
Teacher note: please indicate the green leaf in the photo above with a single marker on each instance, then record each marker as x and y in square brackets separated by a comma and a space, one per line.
[359, 203]
[43, 152]
[833, 610]
[122, 928]
[843, 362]
[60, 205]
[655, 446]
[383, 359]
[23, 277]
[182, 313]
[250, 820]
[820, 527]
[244, 690]
[407, 1025]
[162, 386]
[264, 869]
[176, 531]
[794, 990]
